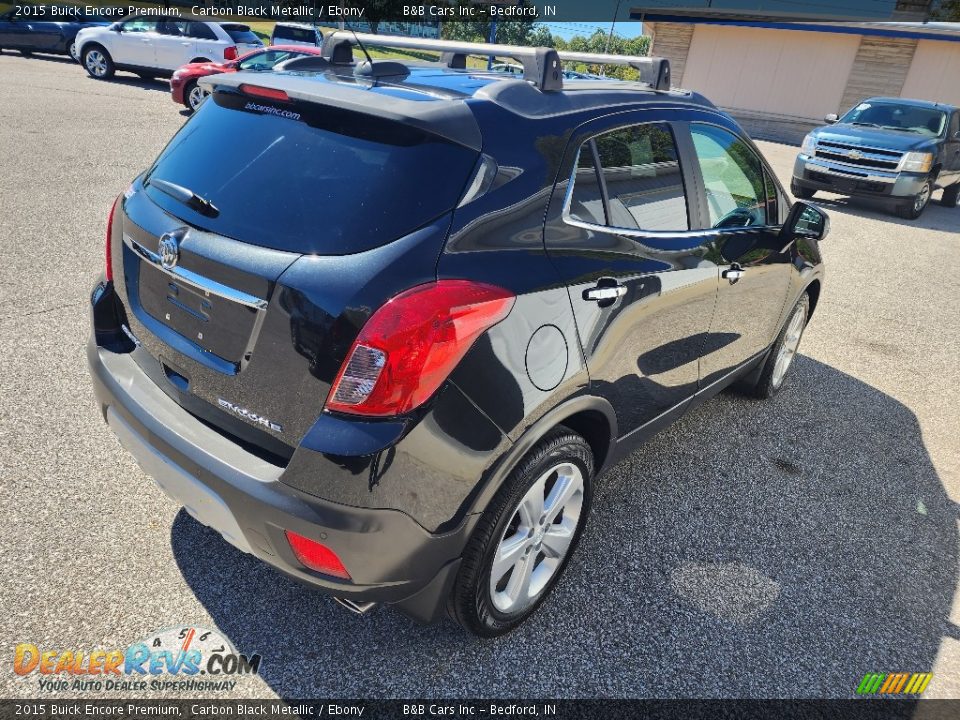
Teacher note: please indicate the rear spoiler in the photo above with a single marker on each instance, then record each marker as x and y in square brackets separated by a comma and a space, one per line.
[452, 121]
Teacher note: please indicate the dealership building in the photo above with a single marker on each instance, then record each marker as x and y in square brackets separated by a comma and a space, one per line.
[779, 78]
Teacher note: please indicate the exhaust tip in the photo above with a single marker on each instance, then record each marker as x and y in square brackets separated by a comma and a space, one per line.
[360, 608]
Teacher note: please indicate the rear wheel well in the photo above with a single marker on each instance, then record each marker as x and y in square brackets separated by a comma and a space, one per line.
[813, 290]
[200, 60]
[592, 426]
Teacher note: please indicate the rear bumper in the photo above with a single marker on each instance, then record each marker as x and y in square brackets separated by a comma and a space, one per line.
[818, 174]
[391, 558]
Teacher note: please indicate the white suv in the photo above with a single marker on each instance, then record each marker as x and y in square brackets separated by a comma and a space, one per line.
[157, 45]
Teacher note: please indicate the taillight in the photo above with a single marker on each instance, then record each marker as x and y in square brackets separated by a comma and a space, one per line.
[264, 92]
[412, 343]
[316, 556]
[230, 53]
[108, 268]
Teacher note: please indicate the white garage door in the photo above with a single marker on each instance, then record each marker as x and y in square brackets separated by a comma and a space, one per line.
[935, 73]
[781, 72]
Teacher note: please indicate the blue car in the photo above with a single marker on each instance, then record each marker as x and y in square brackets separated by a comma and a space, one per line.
[44, 29]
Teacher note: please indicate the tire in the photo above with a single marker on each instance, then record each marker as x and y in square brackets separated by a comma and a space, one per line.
[800, 192]
[951, 196]
[918, 203]
[190, 93]
[784, 349]
[488, 606]
[146, 76]
[97, 62]
[26, 53]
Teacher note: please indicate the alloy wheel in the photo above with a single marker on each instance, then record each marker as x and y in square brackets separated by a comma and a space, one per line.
[73, 51]
[788, 349]
[537, 538]
[196, 97]
[96, 63]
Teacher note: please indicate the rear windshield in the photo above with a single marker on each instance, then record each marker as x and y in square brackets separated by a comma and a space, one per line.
[281, 32]
[241, 34]
[331, 182]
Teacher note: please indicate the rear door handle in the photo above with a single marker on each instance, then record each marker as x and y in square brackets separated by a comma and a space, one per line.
[605, 292]
[734, 274]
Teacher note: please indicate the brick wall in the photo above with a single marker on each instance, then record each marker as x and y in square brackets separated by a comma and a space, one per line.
[879, 69]
[672, 41]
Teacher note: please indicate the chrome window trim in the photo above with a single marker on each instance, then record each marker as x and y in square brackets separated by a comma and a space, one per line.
[199, 282]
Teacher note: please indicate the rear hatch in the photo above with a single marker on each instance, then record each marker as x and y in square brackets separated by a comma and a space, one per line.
[256, 246]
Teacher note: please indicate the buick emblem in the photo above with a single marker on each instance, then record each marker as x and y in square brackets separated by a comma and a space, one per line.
[854, 154]
[168, 250]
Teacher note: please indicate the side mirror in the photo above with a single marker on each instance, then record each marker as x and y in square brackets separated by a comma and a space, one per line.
[805, 221]
[116, 27]
[831, 118]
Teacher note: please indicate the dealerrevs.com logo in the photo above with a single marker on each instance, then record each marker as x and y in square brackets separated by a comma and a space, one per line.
[175, 659]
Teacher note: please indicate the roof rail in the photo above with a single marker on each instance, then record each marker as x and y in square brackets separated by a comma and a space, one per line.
[541, 66]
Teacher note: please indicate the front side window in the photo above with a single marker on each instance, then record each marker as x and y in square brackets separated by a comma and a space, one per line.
[139, 25]
[733, 177]
[641, 177]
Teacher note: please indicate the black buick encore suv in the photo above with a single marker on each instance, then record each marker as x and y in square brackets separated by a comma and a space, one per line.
[383, 325]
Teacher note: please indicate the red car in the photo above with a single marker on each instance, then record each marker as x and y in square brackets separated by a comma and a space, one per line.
[183, 85]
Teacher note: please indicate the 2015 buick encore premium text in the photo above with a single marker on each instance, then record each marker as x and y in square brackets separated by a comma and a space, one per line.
[383, 325]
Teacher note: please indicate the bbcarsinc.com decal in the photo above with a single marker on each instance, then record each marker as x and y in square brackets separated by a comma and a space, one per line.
[175, 659]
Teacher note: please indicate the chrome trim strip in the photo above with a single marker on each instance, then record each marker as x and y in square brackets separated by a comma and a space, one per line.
[188, 277]
[850, 146]
[829, 167]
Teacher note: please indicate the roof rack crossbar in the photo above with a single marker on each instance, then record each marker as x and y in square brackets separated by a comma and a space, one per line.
[541, 66]
[654, 71]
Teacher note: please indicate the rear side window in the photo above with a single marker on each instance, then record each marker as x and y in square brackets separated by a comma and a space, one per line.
[241, 34]
[586, 203]
[331, 182]
[281, 32]
[201, 30]
[640, 171]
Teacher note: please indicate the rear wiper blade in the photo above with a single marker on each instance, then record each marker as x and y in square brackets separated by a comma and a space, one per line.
[186, 196]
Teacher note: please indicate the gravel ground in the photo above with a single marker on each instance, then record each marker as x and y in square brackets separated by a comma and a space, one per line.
[778, 549]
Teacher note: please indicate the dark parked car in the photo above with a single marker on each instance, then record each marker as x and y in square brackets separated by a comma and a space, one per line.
[890, 149]
[383, 325]
[45, 29]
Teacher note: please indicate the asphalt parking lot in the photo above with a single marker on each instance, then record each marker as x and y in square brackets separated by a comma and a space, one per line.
[754, 549]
